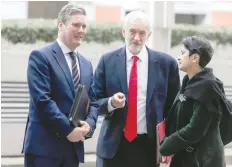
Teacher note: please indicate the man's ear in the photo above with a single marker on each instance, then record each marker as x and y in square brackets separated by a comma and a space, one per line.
[123, 33]
[60, 25]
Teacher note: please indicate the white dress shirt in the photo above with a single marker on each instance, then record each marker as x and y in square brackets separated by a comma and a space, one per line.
[65, 51]
[142, 74]
[68, 59]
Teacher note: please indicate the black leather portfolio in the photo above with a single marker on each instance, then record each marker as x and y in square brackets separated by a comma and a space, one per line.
[80, 106]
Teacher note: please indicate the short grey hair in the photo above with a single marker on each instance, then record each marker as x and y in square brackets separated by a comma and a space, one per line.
[137, 16]
[69, 10]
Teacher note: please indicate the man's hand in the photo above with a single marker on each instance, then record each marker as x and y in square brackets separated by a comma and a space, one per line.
[166, 159]
[77, 134]
[118, 100]
[85, 126]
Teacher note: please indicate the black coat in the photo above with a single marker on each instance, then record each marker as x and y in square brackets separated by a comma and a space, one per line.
[192, 125]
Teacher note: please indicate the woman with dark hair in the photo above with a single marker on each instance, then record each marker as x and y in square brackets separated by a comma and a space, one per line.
[193, 123]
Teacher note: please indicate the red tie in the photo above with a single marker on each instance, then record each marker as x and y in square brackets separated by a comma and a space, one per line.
[130, 131]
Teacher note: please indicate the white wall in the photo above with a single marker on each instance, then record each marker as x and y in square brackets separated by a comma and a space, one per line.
[14, 10]
[222, 6]
[201, 10]
[192, 7]
[89, 7]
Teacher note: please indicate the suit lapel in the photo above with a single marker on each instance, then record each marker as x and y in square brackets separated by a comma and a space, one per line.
[59, 56]
[153, 68]
[81, 65]
[121, 70]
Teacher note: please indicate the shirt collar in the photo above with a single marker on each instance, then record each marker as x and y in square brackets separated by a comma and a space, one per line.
[64, 48]
[141, 54]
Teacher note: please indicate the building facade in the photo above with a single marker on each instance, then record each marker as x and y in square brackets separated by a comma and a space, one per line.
[214, 13]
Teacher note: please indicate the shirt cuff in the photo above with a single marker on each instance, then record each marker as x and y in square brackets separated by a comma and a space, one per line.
[110, 107]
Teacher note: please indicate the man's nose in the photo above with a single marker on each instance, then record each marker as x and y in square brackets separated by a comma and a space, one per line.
[81, 29]
[137, 37]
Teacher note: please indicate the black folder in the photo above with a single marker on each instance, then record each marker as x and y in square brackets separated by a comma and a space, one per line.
[80, 106]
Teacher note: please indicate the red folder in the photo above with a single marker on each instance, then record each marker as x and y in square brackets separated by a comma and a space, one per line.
[160, 134]
[161, 131]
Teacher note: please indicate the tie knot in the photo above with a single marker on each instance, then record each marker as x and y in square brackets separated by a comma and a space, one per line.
[135, 58]
[72, 55]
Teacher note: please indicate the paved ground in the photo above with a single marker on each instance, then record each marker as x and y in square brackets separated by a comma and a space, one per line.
[91, 163]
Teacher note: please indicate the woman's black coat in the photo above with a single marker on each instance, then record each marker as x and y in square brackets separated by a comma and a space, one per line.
[192, 125]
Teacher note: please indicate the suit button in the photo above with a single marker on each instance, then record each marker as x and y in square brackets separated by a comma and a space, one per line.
[57, 134]
[190, 149]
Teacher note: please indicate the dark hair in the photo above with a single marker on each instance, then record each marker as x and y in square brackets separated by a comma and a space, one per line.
[200, 45]
[69, 10]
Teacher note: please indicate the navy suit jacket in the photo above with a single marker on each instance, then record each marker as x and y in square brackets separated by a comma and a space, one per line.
[51, 96]
[110, 77]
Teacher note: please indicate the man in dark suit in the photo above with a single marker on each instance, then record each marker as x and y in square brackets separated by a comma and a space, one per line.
[134, 86]
[54, 73]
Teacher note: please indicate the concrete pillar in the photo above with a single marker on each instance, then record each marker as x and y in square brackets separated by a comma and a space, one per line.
[162, 15]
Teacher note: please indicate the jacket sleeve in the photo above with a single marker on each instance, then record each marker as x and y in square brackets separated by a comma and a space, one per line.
[173, 87]
[93, 112]
[98, 89]
[39, 83]
[191, 134]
